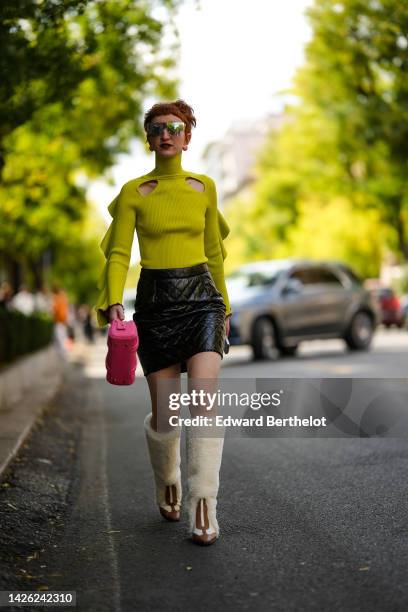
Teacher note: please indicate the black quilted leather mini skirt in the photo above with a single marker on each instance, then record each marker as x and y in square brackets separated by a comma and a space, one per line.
[178, 312]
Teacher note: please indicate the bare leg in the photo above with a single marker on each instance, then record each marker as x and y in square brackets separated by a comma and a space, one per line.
[172, 375]
[204, 365]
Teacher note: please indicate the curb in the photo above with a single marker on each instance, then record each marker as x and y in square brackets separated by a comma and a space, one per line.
[26, 388]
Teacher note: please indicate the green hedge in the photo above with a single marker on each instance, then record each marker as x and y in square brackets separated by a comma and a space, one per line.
[21, 334]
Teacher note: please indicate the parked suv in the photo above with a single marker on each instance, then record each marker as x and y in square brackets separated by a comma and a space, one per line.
[278, 303]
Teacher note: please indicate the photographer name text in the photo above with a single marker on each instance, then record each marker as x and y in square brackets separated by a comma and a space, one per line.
[259, 421]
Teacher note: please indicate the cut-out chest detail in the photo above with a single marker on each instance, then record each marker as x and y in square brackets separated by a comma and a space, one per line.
[145, 188]
[173, 209]
[195, 184]
[148, 187]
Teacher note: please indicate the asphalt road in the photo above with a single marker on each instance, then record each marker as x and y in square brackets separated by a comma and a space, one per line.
[305, 524]
[388, 357]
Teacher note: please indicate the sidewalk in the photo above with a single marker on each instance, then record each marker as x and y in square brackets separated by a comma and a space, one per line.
[26, 388]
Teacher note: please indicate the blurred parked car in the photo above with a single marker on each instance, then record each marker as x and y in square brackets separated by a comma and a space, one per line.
[278, 303]
[404, 306]
[390, 305]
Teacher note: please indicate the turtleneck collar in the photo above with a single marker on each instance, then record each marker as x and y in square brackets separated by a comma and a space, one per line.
[168, 166]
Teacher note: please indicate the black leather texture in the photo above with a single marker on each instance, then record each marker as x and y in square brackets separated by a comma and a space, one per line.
[178, 312]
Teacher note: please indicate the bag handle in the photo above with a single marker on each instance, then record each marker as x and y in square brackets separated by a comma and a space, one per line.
[120, 324]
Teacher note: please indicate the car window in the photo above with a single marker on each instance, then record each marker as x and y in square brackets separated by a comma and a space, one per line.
[350, 273]
[303, 275]
[386, 293]
[324, 275]
[251, 279]
[315, 276]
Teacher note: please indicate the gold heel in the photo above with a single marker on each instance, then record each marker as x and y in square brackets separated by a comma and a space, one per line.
[171, 501]
[164, 452]
[203, 534]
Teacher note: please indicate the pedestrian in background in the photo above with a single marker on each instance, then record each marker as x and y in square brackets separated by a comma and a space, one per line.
[60, 311]
[85, 317]
[6, 294]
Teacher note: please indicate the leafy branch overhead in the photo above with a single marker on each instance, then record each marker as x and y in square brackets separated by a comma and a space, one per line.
[332, 180]
[92, 62]
[74, 78]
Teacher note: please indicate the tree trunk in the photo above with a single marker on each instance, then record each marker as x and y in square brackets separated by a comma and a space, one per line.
[36, 269]
[15, 274]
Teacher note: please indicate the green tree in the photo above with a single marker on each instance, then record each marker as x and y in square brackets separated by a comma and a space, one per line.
[94, 62]
[336, 168]
[75, 76]
[356, 75]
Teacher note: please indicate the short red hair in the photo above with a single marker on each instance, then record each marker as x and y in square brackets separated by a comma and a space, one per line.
[179, 108]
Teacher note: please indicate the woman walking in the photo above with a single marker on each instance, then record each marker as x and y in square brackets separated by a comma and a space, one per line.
[181, 310]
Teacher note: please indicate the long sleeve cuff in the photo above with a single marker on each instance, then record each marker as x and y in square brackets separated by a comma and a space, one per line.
[116, 246]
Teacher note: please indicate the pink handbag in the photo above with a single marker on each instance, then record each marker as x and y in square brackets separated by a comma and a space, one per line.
[121, 360]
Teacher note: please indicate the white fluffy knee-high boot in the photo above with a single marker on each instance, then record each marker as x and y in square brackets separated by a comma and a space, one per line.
[164, 451]
[204, 456]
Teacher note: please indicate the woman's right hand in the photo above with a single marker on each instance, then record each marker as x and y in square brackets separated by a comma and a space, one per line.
[116, 312]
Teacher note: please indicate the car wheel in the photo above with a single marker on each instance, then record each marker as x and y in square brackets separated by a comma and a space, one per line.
[289, 351]
[264, 340]
[360, 331]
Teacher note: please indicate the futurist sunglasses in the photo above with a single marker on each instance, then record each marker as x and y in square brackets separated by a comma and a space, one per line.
[173, 127]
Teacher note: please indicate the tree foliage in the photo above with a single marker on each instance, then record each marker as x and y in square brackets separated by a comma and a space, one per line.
[356, 75]
[93, 62]
[74, 77]
[332, 180]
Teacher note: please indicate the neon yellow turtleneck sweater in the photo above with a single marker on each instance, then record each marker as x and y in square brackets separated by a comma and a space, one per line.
[177, 226]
